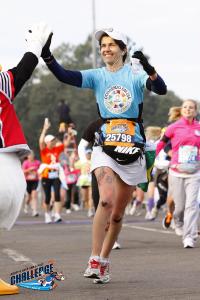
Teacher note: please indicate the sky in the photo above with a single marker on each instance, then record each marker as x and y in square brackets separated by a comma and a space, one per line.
[168, 31]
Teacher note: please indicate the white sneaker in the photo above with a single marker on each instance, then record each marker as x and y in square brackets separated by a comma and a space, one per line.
[154, 213]
[136, 209]
[104, 276]
[75, 207]
[148, 216]
[93, 268]
[116, 246]
[68, 211]
[57, 218]
[35, 214]
[90, 213]
[47, 217]
[179, 231]
[26, 207]
[127, 209]
[188, 243]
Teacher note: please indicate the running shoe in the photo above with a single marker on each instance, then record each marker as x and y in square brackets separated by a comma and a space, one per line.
[136, 209]
[188, 243]
[148, 216]
[166, 222]
[93, 269]
[104, 276]
[179, 231]
[116, 246]
[35, 214]
[57, 218]
[90, 213]
[75, 207]
[154, 213]
[47, 218]
[26, 208]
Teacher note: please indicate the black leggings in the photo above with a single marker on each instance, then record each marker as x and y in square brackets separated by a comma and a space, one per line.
[95, 191]
[47, 184]
[72, 195]
[162, 185]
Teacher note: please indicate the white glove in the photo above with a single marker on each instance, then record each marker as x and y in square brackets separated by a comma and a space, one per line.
[36, 38]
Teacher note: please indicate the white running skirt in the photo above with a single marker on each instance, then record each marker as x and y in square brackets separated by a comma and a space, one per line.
[131, 174]
[12, 189]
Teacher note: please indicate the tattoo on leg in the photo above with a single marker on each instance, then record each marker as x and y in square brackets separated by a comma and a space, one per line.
[109, 179]
[100, 175]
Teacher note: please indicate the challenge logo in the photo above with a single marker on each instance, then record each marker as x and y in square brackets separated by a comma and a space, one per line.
[117, 99]
[39, 277]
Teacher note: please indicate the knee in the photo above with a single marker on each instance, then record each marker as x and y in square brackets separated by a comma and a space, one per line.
[105, 204]
[116, 218]
[57, 199]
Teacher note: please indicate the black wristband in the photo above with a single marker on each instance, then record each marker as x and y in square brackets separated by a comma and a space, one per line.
[48, 59]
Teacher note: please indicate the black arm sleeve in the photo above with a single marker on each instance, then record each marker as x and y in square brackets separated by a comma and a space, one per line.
[165, 139]
[23, 71]
[157, 86]
[70, 77]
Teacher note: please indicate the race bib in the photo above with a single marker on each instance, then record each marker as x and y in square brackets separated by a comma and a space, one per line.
[71, 178]
[187, 154]
[119, 132]
[32, 177]
[117, 141]
[53, 174]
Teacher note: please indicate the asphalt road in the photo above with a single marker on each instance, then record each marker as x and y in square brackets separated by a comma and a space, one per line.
[152, 263]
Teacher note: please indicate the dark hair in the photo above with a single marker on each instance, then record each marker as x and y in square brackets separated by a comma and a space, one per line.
[121, 45]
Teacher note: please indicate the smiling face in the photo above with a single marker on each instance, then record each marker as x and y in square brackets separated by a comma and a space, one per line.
[189, 109]
[111, 52]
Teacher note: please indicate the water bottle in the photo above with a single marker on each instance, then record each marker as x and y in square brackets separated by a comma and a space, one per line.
[135, 62]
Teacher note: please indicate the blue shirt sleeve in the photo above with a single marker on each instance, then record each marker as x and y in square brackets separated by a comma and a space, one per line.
[157, 86]
[67, 76]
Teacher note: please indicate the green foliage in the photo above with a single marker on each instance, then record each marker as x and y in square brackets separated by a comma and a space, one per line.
[39, 97]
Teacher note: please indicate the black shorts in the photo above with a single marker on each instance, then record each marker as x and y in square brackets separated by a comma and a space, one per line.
[31, 185]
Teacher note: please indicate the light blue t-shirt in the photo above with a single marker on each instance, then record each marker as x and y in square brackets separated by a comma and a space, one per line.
[118, 94]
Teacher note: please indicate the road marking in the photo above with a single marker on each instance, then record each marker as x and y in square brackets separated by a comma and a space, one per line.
[148, 229]
[16, 256]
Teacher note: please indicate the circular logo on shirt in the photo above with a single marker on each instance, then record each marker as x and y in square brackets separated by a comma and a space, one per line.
[117, 99]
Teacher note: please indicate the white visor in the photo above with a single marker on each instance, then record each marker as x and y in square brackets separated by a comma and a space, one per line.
[116, 35]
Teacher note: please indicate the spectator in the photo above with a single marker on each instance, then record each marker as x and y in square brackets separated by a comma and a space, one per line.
[51, 171]
[30, 167]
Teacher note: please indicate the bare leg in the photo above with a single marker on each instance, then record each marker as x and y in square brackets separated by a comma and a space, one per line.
[34, 205]
[105, 178]
[123, 194]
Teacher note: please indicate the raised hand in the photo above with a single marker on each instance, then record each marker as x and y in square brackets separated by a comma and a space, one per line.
[144, 62]
[36, 37]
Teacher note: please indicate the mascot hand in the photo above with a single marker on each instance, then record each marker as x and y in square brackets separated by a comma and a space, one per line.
[36, 37]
